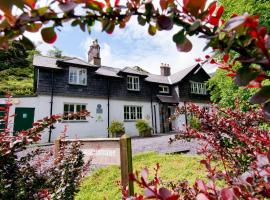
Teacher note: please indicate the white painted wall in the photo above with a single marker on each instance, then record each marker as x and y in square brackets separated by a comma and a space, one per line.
[117, 113]
[95, 126]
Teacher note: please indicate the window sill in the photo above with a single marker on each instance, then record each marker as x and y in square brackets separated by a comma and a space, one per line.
[133, 90]
[74, 121]
[77, 84]
[131, 120]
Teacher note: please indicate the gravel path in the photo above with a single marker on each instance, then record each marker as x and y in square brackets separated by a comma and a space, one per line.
[161, 144]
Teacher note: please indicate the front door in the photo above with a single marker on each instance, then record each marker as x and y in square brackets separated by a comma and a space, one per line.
[24, 118]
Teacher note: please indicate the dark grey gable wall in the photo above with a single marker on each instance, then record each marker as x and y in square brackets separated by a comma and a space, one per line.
[184, 86]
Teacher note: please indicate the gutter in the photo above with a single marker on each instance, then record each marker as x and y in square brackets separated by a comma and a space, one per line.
[152, 107]
[51, 104]
[108, 104]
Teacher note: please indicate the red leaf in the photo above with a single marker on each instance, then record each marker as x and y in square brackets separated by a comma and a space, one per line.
[185, 46]
[212, 61]
[194, 6]
[226, 57]
[198, 60]
[227, 194]
[202, 196]
[165, 193]
[213, 20]
[164, 22]
[201, 186]
[231, 75]
[144, 173]
[116, 3]
[220, 12]
[212, 8]
[34, 27]
[48, 35]
[163, 4]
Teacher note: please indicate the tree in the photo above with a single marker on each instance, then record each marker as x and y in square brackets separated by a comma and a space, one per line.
[254, 7]
[55, 52]
[227, 94]
[223, 89]
[16, 69]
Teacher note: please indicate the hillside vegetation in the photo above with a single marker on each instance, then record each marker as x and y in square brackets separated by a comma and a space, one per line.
[16, 70]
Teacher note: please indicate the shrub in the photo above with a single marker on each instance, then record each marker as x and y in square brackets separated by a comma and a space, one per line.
[36, 173]
[143, 127]
[193, 122]
[116, 129]
[235, 139]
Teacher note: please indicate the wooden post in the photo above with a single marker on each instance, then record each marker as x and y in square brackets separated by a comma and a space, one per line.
[56, 147]
[126, 163]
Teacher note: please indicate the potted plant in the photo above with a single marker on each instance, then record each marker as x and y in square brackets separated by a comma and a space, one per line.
[143, 128]
[116, 129]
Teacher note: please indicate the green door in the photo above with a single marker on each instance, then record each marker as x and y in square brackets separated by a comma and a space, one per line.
[24, 118]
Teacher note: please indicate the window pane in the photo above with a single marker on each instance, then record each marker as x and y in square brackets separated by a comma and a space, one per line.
[132, 112]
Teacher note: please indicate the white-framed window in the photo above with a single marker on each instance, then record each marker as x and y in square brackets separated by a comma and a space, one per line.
[198, 88]
[70, 108]
[77, 76]
[133, 83]
[164, 89]
[132, 113]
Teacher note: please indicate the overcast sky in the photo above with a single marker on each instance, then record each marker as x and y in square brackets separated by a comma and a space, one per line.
[132, 46]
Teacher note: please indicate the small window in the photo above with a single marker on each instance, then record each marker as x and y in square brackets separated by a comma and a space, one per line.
[2, 116]
[77, 76]
[132, 113]
[164, 89]
[70, 108]
[133, 83]
[198, 88]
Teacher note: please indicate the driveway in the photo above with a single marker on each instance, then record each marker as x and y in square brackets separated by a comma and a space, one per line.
[160, 143]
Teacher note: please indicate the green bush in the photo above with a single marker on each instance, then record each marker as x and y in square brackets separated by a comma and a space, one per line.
[116, 129]
[194, 122]
[143, 127]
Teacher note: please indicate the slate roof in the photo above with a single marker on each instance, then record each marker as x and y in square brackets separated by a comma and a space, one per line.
[168, 99]
[44, 61]
[49, 62]
[76, 61]
[133, 71]
[178, 76]
[108, 71]
[158, 79]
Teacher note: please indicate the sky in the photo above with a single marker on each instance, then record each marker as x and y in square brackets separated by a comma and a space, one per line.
[132, 46]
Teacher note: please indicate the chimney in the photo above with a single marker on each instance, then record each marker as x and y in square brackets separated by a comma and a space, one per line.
[165, 69]
[94, 53]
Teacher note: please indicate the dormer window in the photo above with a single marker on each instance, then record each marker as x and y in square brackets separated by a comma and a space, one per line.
[164, 89]
[198, 88]
[133, 83]
[77, 76]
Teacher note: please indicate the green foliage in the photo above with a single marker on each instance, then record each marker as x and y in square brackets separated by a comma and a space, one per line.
[116, 129]
[55, 52]
[14, 56]
[194, 122]
[173, 167]
[143, 128]
[225, 92]
[16, 70]
[258, 7]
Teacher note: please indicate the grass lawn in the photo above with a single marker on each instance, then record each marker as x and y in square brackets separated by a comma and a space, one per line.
[102, 182]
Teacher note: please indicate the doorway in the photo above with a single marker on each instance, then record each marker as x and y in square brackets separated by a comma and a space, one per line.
[24, 118]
